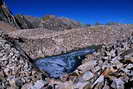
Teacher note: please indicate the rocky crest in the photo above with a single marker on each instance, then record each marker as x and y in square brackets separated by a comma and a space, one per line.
[6, 15]
[28, 22]
[50, 22]
[59, 23]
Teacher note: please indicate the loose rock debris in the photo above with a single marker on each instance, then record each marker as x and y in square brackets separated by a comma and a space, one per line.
[111, 67]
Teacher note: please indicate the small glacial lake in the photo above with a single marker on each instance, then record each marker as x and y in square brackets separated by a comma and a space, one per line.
[57, 66]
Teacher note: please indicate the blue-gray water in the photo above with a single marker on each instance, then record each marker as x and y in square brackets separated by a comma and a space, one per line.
[57, 66]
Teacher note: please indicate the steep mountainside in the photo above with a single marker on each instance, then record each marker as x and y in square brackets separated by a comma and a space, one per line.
[50, 22]
[6, 14]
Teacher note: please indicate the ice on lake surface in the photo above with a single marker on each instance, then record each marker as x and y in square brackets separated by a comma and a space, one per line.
[57, 66]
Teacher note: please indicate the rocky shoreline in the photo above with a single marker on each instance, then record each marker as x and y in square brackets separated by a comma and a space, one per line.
[108, 68]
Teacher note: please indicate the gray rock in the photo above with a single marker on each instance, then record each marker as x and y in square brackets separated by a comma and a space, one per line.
[38, 85]
[87, 76]
[27, 86]
[118, 84]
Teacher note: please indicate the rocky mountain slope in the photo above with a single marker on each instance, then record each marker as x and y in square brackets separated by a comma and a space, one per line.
[6, 14]
[50, 22]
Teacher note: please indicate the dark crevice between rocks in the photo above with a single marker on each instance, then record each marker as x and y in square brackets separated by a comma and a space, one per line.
[129, 85]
